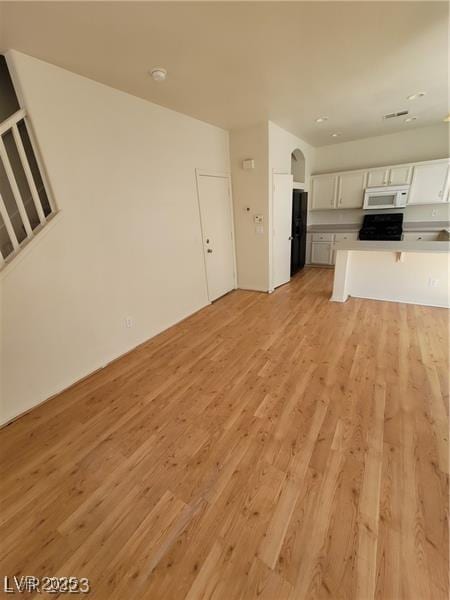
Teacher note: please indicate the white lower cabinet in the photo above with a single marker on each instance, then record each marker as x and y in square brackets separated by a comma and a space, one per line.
[320, 246]
[321, 253]
[343, 237]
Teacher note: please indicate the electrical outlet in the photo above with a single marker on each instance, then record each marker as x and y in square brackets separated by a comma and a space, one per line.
[433, 282]
[129, 322]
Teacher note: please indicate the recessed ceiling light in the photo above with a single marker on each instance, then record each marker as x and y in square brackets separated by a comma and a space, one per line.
[321, 119]
[415, 96]
[158, 73]
[410, 119]
[335, 134]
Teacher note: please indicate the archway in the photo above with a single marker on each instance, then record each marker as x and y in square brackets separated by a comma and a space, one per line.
[298, 165]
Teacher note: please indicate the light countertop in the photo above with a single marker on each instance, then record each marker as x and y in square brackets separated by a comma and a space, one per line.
[387, 246]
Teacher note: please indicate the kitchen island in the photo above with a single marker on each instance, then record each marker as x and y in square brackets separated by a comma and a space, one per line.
[415, 272]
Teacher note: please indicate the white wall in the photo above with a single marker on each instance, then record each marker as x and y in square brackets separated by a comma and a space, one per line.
[412, 214]
[425, 143]
[379, 276]
[271, 148]
[127, 241]
[281, 145]
[250, 190]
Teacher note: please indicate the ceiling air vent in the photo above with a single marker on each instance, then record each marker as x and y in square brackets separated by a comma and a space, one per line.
[400, 113]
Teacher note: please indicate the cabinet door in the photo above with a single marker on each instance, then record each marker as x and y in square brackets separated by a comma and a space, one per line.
[427, 236]
[349, 237]
[429, 184]
[320, 253]
[308, 249]
[323, 237]
[323, 192]
[400, 175]
[377, 177]
[351, 189]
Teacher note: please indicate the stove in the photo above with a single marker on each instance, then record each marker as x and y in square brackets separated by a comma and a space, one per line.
[382, 227]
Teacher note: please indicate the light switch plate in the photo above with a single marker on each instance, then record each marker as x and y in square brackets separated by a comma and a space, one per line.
[248, 164]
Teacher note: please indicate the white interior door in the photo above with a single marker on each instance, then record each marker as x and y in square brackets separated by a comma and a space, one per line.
[217, 231]
[282, 228]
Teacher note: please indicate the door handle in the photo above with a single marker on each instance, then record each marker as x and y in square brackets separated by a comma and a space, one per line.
[290, 237]
[209, 251]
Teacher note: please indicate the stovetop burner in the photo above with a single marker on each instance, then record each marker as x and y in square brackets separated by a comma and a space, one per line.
[382, 227]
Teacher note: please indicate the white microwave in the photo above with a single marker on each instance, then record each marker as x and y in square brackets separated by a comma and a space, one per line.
[388, 196]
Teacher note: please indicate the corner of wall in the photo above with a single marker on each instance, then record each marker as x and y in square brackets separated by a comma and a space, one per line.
[251, 198]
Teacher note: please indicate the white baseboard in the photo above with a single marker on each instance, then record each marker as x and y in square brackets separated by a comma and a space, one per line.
[383, 299]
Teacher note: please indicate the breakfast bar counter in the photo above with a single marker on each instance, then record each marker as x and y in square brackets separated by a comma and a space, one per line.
[415, 272]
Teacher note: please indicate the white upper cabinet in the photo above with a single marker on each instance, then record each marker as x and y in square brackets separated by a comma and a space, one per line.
[323, 192]
[377, 177]
[351, 189]
[429, 183]
[400, 175]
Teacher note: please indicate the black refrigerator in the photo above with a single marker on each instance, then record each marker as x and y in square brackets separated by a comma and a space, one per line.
[298, 243]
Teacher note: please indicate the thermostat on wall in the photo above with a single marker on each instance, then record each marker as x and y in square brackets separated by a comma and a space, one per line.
[248, 163]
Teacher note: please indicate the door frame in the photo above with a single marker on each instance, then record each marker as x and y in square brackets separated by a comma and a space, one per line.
[222, 175]
[272, 220]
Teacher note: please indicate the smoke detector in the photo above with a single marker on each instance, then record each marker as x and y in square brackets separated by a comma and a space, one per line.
[158, 73]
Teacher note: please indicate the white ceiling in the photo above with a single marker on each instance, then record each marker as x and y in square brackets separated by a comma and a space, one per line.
[234, 64]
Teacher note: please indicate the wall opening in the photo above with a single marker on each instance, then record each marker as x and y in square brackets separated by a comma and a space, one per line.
[298, 165]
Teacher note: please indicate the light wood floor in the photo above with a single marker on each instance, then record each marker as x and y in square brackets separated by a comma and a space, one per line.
[272, 447]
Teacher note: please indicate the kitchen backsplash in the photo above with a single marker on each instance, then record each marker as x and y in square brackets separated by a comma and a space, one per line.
[428, 213]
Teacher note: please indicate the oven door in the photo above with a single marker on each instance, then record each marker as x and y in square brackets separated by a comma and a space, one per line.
[379, 200]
